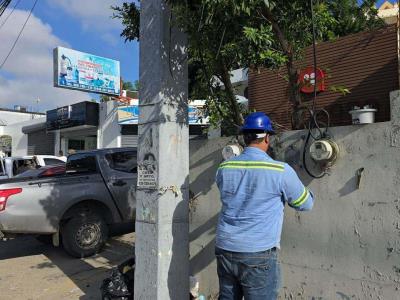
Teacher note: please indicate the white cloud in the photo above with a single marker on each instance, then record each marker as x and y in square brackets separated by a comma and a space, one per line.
[25, 92]
[94, 15]
[29, 69]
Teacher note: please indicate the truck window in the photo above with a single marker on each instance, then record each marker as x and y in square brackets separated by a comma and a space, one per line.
[81, 163]
[22, 165]
[123, 161]
[2, 170]
[53, 161]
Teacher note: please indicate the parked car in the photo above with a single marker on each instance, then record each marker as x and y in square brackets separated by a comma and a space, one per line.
[12, 166]
[96, 192]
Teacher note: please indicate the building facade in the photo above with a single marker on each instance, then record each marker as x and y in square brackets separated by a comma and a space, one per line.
[11, 135]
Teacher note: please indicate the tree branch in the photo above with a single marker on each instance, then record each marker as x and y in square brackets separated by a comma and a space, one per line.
[288, 50]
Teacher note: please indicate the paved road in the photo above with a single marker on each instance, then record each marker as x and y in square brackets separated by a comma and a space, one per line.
[31, 270]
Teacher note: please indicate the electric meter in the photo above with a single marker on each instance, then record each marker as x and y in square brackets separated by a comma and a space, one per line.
[324, 151]
[231, 151]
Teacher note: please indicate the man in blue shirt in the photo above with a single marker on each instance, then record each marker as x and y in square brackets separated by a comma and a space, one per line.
[254, 189]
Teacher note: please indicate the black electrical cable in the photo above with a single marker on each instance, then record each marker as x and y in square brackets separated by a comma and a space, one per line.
[3, 6]
[313, 118]
[19, 35]
[12, 10]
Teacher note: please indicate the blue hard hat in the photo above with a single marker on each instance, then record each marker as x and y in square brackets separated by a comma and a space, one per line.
[258, 121]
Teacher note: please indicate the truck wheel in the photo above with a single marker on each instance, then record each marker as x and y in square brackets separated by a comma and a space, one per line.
[84, 234]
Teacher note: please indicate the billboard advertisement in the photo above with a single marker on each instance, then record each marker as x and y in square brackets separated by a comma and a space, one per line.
[86, 72]
[198, 113]
[128, 114]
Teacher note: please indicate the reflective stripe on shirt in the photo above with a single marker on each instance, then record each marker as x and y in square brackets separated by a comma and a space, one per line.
[303, 198]
[252, 165]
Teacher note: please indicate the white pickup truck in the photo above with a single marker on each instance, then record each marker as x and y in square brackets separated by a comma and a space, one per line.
[12, 166]
[77, 207]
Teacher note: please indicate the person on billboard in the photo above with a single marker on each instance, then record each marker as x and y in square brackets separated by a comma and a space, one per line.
[65, 66]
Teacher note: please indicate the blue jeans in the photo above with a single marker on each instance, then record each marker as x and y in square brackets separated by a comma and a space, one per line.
[254, 276]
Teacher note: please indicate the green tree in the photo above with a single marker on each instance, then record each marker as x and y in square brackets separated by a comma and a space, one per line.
[126, 85]
[224, 35]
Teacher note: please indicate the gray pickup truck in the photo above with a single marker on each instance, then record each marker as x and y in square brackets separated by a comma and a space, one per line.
[75, 209]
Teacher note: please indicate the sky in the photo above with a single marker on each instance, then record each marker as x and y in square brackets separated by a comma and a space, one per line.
[83, 25]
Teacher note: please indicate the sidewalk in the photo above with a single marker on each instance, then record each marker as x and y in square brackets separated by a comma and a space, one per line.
[31, 270]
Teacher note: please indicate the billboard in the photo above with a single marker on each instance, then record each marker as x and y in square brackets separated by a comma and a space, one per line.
[128, 114]
[86, 72]
[197, 113]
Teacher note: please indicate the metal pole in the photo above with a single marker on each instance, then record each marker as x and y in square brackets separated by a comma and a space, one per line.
[162, 225]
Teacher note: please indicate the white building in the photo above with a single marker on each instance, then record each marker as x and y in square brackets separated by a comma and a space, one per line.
[11, 123]
[389, 12]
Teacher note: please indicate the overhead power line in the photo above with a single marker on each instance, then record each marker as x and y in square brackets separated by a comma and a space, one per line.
[4, 22]
[3, 6]
[19, 35]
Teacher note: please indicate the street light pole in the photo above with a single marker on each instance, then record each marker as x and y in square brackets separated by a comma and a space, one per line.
[162, 225]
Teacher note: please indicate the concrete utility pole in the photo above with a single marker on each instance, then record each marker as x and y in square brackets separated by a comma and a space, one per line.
[162, 226]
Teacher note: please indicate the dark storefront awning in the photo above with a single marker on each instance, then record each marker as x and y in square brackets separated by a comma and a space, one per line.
[34, 127]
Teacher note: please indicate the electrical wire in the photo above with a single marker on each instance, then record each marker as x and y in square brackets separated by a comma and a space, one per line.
[12, 10]
[313, 123]
[19, 35]
[3, 6]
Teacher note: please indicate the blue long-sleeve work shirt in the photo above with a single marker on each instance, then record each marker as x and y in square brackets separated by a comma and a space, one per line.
[254, 189]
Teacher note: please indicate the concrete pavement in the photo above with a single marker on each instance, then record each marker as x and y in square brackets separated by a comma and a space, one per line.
[30, 270]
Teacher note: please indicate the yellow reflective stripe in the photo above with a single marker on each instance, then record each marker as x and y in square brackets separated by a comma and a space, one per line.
[252, 163]
[251, 167]
[299, 201]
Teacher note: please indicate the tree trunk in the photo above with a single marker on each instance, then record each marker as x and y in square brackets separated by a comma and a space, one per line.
[294, 94]
[226, 80]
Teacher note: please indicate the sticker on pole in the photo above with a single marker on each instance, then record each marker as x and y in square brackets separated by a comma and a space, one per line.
[147, 173]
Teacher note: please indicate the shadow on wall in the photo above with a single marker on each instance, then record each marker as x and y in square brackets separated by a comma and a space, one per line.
[349, 187]
[205, 205]
[180, 225]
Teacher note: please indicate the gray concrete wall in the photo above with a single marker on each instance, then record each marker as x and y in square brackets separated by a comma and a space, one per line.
[109, 132]
[348, 246]
[204, 206]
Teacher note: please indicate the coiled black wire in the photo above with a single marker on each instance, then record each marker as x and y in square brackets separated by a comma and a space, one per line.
[313, 123]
